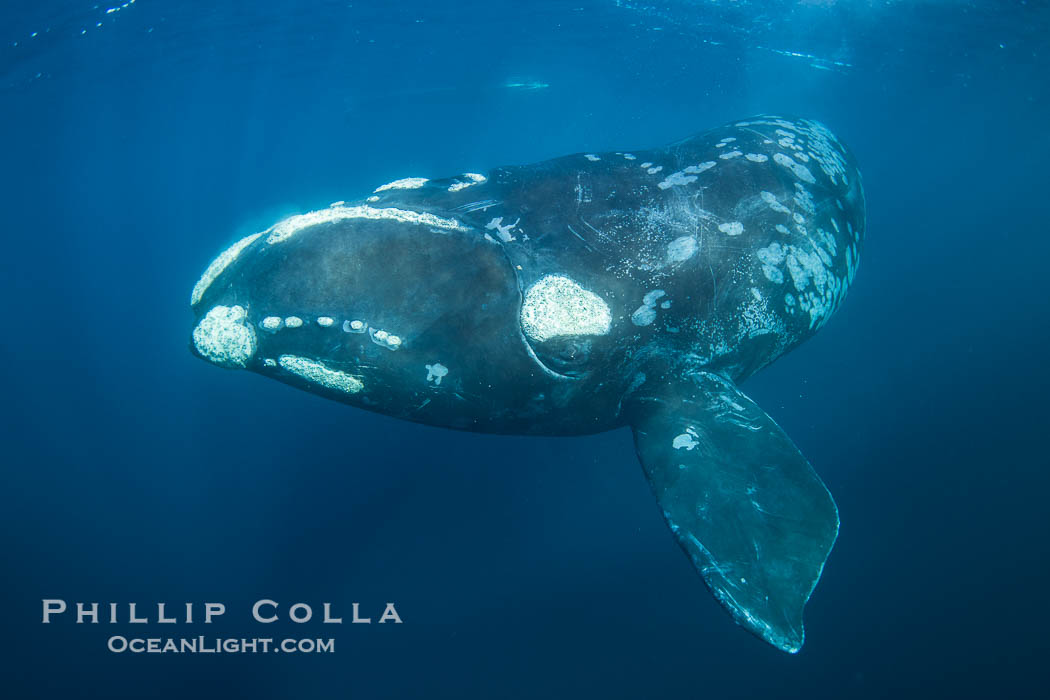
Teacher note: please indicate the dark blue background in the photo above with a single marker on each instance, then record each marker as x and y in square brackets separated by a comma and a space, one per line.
[134, 152]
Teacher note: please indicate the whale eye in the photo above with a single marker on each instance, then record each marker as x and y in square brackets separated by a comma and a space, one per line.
[568, 356]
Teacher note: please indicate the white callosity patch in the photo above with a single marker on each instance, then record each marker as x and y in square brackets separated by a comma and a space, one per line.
[678, 178]
[645, 314]
[730, 155]
[686, 440]
[292, 225]
[804, 199]
[756, 157]
[502, 230]
[218, 265]
[774, 203]
[557, 306]
[471, 179]
[826, 152]
[731, 228]
[591, 157]
[771, 257]
[801, 172]
[320, 374]
[818, 290]
[653, 171]
[325, 321]
[385, 339]
[435, 372]
[652, 297]
[697, 169]
[354, 326]
[293, 322]
[271, 323]
[405, 183]
[681, 249]
[629, 156]
[224, 338]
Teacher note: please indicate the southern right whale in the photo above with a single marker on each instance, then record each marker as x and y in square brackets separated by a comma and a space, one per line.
[578, 295]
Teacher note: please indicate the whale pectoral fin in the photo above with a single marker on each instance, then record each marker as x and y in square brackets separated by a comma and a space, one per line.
[744, 504]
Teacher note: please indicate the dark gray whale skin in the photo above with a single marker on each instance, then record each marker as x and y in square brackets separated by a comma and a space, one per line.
[575, 296]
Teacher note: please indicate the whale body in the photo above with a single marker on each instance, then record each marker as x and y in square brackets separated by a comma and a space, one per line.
[578, 295]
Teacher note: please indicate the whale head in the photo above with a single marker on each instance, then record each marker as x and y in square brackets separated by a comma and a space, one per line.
[409, 313]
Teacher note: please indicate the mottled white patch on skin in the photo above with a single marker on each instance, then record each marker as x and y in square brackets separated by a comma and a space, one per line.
[774, 203]
[771, 257]
[472, 179]
[325, 321]
[804, 199]
[502, 230]
[731, 154]
[686, 440]
[436, 372]
[405, 183]
[678, 178]
[353, 326]
[284, 230]
[591, 157]
[218, 265]
[681, 249]
[556, 306]
[224, 338]
[756, 157]
[319, 373]
[645, 314]
[731, 228]
[652, 297]
[271, 323]
[773, 254]
[697, 169]
[293, 322]
[653, 171]
[800, 171]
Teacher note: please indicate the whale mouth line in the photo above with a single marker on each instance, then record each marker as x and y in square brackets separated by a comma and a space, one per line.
[535, 358]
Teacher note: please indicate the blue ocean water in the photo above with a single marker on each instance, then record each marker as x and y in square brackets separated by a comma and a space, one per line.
[140, 139]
